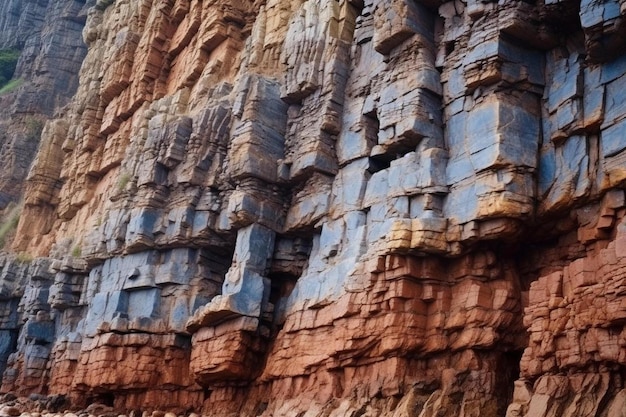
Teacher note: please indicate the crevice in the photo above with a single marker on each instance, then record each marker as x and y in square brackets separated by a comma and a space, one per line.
[509, 372]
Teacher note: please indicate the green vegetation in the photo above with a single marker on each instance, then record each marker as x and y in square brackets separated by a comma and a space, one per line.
[77, 251]
[34, 127]
[24, 257]
[8, 62]
[123, 182]
[9, 223]
[11, 86]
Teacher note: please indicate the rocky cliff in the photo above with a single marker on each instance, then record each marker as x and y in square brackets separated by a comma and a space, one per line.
[338, 208]
[46, 37]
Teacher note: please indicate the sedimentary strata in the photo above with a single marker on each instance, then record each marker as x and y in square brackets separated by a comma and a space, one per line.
[330, 208]
[47, 37]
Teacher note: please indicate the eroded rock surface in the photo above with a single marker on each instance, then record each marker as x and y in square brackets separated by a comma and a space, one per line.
[47, 35]
[342, 208]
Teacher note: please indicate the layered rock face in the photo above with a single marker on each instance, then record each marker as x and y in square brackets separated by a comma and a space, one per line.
[340, 208]
[48, 36]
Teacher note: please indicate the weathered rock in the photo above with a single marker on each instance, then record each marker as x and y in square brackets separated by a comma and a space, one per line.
[47, 36]
[281, 208]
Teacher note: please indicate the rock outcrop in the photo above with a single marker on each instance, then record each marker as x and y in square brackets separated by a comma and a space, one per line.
[342, 208]
[47, 35]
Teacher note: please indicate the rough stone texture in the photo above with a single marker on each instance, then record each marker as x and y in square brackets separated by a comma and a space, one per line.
[48, 35]
[342, 208]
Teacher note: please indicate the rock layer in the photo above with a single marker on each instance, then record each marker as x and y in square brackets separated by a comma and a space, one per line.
[47, 35]
[330, 208]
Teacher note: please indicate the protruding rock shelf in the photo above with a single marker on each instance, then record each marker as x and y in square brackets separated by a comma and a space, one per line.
[318, 208]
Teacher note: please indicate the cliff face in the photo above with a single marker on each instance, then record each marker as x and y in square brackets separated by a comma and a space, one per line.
[337, 208]
[47, 36]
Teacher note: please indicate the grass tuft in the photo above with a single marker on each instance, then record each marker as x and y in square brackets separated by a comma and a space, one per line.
[34, 127]
[9, 224]
[25, 258]
[123, 181]
[11, 86]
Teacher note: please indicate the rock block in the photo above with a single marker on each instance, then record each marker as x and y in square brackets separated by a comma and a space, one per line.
[398, 20]
[231, 355]
[502, 133]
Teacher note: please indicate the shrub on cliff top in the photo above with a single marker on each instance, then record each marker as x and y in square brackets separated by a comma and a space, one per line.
[8, 62]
